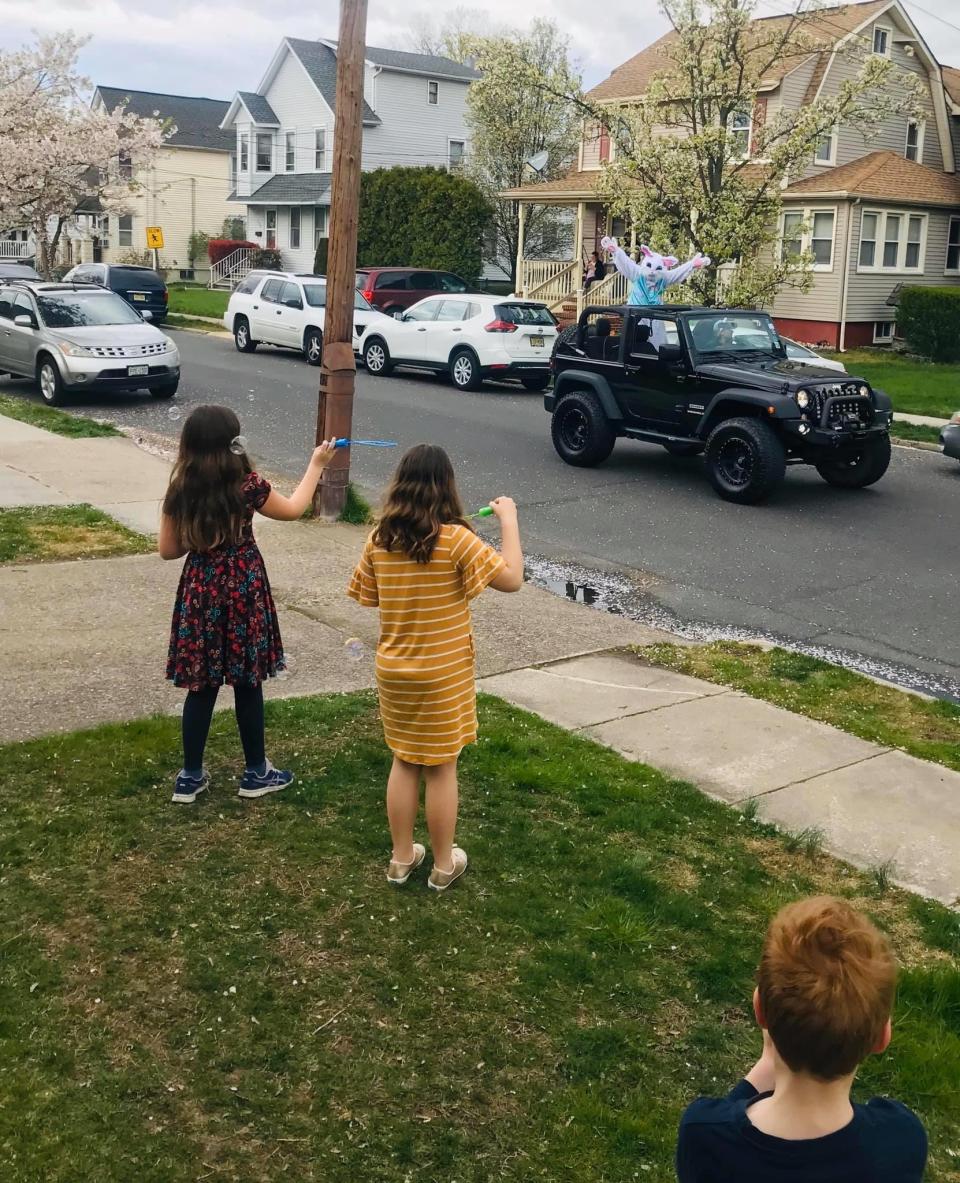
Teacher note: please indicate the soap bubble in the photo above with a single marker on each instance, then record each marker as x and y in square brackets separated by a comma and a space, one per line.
[252, 397]
[353, 647]
[238, 445]
[174, 413]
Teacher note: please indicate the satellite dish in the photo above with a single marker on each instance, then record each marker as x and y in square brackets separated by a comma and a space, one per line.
[539, 162]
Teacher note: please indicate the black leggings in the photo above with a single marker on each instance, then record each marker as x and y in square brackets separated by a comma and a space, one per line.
[198, 711]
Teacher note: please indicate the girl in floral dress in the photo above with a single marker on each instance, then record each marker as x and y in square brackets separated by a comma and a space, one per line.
[224, 621]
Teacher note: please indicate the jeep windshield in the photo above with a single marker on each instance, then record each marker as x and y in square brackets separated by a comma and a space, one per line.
[735, 336]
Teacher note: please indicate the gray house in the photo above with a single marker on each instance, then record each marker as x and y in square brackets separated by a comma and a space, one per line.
[414, 113]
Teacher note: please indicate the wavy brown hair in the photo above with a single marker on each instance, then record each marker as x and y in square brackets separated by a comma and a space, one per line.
[422, 498]
[205, 496]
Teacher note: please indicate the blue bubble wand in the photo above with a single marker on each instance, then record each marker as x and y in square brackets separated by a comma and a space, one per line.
[351, 443]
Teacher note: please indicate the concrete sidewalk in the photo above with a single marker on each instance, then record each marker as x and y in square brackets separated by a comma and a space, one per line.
[85, 643]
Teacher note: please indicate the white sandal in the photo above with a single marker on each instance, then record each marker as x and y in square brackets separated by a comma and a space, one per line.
[399, 873]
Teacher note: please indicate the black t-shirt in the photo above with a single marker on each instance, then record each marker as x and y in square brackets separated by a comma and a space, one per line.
[884, 1143]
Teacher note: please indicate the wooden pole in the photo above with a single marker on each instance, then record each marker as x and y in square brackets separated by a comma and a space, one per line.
[339, 369]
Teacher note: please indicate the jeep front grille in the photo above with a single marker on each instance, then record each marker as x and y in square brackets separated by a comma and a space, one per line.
[839, 405]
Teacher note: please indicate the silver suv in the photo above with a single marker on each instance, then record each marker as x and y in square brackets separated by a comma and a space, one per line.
[72, 337]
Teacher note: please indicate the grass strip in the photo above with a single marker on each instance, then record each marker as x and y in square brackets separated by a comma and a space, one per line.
[60, 532]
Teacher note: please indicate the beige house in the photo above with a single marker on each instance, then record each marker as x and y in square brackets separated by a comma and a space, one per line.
[185, 189]
[875, 214]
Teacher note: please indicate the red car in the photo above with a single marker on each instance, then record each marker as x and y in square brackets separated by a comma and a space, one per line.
[394, 289]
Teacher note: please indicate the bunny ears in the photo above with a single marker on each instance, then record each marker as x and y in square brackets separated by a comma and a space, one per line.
[667, 260]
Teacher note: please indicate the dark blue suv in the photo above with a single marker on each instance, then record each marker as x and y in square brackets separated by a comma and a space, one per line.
[141, 287]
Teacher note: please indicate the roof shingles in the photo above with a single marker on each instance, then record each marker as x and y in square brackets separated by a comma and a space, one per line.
[882, 176]
[197, 120]
[320, 62]
[260, 110]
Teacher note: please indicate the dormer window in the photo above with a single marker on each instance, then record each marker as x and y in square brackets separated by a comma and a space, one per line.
[914, 146]
[881, 40]
[738, 133]
[244, 152]
[826, 152]
[290, 151]
[264, 152]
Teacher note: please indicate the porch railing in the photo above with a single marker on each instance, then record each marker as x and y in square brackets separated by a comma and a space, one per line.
[10, 249]
[232, 268]
[551, 281]
[612, 289]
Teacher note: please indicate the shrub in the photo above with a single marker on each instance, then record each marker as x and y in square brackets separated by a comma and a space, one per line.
[422, 217]
[320, 258]
[234, 228]
[219, 248]
[197, 246]
[144, 258]
[929, 319]
[267, 259]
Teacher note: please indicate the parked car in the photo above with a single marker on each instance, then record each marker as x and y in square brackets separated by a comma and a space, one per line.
[283, 308]
[950, 437]
[9, 271]
[470, 337]
[394, 289]
[803, 355]
[73, 337]
[725, 389]
[142, 287]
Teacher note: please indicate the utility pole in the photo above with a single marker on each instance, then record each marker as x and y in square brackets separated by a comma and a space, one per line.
[339, 370]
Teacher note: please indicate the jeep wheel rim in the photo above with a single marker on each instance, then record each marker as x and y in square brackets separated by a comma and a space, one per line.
[242, 336]
[574, 430]
[48, 382]
[463, 371]
[735, 462]
[313, 347]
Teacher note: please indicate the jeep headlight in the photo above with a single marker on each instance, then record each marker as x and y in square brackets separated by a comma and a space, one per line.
[72, 350]
[803, 399]
[863, 391]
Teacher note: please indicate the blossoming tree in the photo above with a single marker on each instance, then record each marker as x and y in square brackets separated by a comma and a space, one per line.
[57, 155]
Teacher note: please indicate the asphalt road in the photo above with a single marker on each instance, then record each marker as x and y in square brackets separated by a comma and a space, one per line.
[872, 573]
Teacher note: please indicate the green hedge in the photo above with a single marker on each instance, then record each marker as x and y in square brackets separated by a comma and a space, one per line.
[929, 319]
[422, 217]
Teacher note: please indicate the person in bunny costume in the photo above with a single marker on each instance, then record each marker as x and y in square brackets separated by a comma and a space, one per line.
[651, 277]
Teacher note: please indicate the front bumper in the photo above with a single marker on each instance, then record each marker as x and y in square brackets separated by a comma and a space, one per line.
[809, 434]
[81, 373]
[950, 440]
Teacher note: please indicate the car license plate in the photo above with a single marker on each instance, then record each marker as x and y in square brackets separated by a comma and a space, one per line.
[139, 297]
[536, 342]
[136, 371]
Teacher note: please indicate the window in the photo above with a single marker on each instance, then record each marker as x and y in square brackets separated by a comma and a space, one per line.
[603, 148]
[125, 230]
[272, 291]
[446, 281]
[882, 331]
[294, 227]
[433, 93]
[892, 241]
[290, 151]
[738, 133]
[826, 152]
[914, 146]
[809, 232]
[244, 152]
[126, 165]
[953, 246]
[264, 152]
[271, 232]
[425, 310]
[320, 149]
[881, 40]
[453, 310]
[320, 215]
[455, 154]
[290, 296]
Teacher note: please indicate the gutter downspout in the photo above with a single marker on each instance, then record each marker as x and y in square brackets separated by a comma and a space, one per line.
[845, 278]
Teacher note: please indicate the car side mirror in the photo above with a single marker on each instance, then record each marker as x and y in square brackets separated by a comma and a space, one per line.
[146, 314]
[293, 303]
[670, 354]
[25, 321]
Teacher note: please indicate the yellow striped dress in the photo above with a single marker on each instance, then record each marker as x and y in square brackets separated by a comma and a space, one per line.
[425, 657]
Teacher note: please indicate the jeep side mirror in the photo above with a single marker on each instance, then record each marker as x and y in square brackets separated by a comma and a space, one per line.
[670, 354]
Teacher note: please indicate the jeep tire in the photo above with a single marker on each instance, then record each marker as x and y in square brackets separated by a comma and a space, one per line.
[582, 433]
[855, 468]
[745, 460]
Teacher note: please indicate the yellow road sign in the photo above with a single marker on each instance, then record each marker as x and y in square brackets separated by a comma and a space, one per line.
[155, 238]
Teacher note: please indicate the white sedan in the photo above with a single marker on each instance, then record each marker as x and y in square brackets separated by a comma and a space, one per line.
[470, 337]
[804, 356]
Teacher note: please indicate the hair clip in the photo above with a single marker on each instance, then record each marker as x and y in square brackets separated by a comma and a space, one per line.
[238, 445]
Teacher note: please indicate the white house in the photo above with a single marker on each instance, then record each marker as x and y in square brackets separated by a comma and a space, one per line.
[414, 114]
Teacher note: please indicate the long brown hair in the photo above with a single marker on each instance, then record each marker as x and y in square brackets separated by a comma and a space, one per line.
[421, 499]
[205, 497]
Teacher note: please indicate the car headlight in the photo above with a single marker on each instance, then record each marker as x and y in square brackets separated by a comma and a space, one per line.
[863, 391]
[803, 399]
[169, 343]
[75, 350]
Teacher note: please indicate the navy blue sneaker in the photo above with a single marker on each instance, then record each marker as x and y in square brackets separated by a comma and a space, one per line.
[188, 788]
[255, 784]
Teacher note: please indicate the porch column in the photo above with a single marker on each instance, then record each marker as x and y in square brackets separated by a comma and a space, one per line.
[521, 284]
[581, 218]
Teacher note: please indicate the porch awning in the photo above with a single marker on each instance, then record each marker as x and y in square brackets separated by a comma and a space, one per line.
[575, 186]
[290, 189]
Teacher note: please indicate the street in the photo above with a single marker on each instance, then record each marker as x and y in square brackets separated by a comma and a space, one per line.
[870, 573]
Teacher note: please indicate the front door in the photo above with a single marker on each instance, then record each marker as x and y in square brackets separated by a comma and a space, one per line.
[271, 230]
[21, 345]
[446, 332]
[265, 313]
[289, 316]
[655, 390]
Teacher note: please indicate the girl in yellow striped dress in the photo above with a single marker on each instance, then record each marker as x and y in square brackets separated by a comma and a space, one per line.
[422, 565]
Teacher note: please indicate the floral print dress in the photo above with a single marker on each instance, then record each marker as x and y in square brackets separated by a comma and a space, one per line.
[225, 625]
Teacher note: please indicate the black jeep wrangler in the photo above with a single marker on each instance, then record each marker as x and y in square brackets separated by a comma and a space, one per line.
[717, 382]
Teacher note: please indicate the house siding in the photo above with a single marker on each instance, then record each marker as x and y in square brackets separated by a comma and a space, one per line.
[822, 301]
[300, 108]
[412, 132]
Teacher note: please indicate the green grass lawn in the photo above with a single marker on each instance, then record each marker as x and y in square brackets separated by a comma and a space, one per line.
[916, 387]
[197, 301]
[58, 532]
[882, 714]
[231, 991]
[914, 432]
[176, 321]
[51, 419]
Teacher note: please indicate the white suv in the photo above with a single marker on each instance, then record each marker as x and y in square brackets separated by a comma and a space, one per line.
[470, 337]
[280, 308]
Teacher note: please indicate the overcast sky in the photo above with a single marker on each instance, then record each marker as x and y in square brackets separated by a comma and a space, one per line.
[215, 47]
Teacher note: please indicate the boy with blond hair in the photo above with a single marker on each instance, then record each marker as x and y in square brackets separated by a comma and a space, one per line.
[824, 997]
